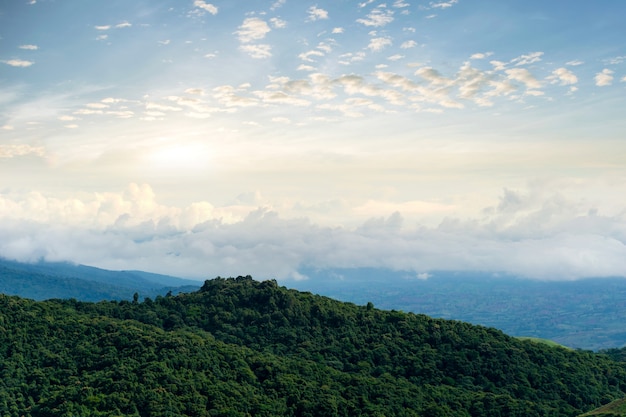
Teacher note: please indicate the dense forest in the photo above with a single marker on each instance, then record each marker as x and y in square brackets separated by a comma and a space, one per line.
[239, 347]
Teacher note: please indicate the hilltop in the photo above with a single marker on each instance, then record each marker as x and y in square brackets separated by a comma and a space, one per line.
[240, 347]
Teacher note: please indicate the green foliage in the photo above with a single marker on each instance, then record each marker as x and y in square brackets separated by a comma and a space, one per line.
[238, 347]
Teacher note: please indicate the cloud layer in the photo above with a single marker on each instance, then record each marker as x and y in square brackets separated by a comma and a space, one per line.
[536, 233]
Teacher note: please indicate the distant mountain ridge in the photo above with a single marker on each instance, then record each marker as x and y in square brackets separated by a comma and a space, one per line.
[45, 280]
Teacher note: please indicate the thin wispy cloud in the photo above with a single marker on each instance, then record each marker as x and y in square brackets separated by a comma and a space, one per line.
[20, 63]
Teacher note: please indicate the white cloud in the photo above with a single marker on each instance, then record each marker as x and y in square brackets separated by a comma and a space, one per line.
[400, 4]
[530, 58]
[604, 78]
[565, 238]
[208, 7]
[252, 29]
[563, 76]
[278, 23]
[395, 57]
[306, 56]
[123, 25]
[377, 18]
[103, 27]
[378, 44]
[408, 44]
[316, 13]
[18, 63]
[524, 76]
[257, 51]
[29, 47]
[574, 63]
[481, 55]
[13, 151]
[443, 4]
[337, 30]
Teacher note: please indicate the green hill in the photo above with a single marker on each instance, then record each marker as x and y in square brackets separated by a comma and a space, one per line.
[238, 347]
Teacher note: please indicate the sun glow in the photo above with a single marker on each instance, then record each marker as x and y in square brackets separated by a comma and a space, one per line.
[180, 157]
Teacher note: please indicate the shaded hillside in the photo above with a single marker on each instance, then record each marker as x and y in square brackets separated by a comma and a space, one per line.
[45, 280]
[239, 347]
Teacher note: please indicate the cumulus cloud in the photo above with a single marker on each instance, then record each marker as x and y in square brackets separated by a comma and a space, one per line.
[207, 7]
[378, 44]
[524, 76]
[316, 13]
[408, 44]
[257, 51]
[20, 63]
[564, 238]
[252, 29]
[377, 18]
[604, 78]
[563, 76]
[29, 47]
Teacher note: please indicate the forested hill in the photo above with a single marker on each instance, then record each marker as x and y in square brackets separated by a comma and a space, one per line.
[238, 347]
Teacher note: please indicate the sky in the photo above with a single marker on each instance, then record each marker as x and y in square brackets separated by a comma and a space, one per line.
[199, 138]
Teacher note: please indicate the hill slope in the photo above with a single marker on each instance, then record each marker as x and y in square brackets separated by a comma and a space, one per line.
[239, 347]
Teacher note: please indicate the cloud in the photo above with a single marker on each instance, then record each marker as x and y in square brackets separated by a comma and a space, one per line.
[563, 76]
[378, 44]
[604, 78]
[527, 59]
[564, 238]
[123, 25]
[337, 30]
[524, 76]
[481, 55]
[574, 63]
[258, 51]
[207, 7]
[252, 29]
[443, 4]
[13, 151]
[278, 23]
[103, 27]
[377, 18]
[306, 56]
[408, 44]
[316, 13]
[29, 47]
[20, 63]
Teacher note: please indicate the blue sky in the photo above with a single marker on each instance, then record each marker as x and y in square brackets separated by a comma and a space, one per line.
[205, 138]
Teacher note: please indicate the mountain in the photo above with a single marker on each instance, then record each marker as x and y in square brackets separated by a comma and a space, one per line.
[584, 314]
[240, 347]
[45, 280]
